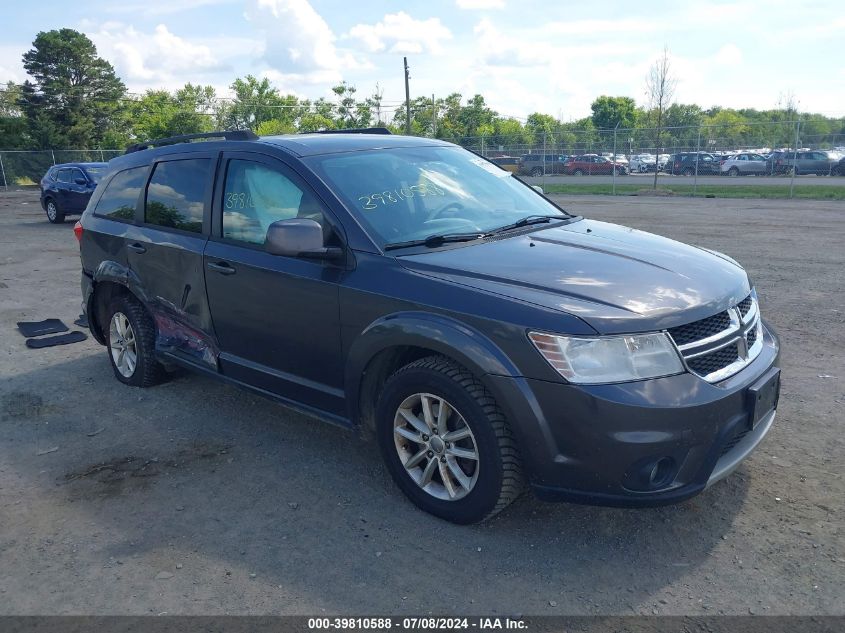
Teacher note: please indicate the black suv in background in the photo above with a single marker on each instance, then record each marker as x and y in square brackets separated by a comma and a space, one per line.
[537, 165]
[488, 338]
[66, 188]
[684, 164]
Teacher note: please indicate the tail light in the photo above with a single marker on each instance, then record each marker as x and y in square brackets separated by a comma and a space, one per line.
[77, 231]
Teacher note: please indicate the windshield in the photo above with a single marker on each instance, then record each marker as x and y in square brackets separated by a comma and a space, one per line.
[413, 193]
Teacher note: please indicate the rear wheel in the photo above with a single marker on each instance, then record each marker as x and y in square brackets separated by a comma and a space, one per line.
[689, 172]
[537, 171]
[446, 443]
[733, 171]
[578, 172]
[131, 343]
[53, 214]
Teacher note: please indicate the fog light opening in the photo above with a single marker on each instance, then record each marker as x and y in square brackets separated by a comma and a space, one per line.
[660, 472]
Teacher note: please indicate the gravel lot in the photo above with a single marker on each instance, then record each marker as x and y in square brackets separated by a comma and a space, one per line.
[196, 498]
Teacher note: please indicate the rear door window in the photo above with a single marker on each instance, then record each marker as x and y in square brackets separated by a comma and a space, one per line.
[121, 194]
[176, 194]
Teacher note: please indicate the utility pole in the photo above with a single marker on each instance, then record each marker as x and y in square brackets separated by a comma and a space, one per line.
[433, 117]
[407, 100]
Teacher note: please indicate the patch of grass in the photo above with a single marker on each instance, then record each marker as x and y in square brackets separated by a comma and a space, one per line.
[809, 192]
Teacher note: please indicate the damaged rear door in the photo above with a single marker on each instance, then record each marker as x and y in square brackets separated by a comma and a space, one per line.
[166, 257]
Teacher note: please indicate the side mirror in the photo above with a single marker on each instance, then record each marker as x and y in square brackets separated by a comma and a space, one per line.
[80, 181]
[299, 237]
[538, 189]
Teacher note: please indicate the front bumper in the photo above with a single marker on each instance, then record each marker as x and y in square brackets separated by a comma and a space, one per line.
[590, 444]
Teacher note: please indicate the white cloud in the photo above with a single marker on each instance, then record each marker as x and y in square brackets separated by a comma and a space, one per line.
[403, 34]
[497, 49]
[299, 46]
[157, 59]
[729, 54]
[480, 4]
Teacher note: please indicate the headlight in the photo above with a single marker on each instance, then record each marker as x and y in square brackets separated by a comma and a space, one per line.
[607, 359]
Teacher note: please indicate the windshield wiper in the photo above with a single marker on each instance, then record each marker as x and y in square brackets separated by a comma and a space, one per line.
[435, 240]
[526, 221]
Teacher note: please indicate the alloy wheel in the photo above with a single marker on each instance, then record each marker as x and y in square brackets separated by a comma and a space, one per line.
[122, 345]
[436, 446]
[52, 211]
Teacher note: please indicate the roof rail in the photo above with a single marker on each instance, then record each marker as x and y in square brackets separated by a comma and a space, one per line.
[230, 135]
[358, 130]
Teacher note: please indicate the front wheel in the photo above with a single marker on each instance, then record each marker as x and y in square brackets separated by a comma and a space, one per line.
[537, 171]
[446, 443]
[733, 172]
[53, 214]
[578, 172]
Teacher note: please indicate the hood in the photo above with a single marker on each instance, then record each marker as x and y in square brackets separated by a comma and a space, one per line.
[615, 278]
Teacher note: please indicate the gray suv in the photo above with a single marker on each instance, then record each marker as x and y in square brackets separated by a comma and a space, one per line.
[489, 339]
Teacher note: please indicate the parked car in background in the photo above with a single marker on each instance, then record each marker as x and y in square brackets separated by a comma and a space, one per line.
[66, 188]
[744, 164]
[684, 163]
[537, 165]
[620, 158]
[839, 168]
[591, 164]
[662, 162]
[642, 163]
[803, 162]
[509, 163]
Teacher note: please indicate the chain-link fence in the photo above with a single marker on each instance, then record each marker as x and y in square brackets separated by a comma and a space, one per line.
[735, 148]
[731, 137]
[21, 168]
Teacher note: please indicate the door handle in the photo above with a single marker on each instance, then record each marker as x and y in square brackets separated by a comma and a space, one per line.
[138, 248]
[223, 268]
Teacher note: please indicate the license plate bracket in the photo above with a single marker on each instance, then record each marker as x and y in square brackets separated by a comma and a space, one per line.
[763, 396]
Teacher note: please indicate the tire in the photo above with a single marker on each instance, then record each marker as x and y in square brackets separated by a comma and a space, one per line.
[491, 480]
[733, 171]
[689, 172]
[537, 171]
[54, 214]
[578, 172]
[137, 366]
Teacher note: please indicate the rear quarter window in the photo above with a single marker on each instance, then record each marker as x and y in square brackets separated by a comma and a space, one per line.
[120, 196]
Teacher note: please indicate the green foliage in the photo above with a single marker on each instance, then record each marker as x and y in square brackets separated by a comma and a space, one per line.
[612, 112]
[13, 124]
[75, 96]
[159, 114]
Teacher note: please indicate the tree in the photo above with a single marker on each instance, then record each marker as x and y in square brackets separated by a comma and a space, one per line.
[256, 102]
[12, 120]
[350, 114]
[543, 127]
[660, 89]
[75, 99]
[476, 118]
[159, 114]
[610, 112]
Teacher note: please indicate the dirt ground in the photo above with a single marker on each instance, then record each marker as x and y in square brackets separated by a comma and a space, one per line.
[197, 498]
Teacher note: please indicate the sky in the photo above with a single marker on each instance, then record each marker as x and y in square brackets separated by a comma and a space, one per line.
[524, 56]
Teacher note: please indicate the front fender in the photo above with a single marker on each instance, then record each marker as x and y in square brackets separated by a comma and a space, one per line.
[438, 333]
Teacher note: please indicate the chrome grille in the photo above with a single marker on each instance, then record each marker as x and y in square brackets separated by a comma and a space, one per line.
[720, 345]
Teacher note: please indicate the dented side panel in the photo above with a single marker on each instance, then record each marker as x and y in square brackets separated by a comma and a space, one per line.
[173, 290]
